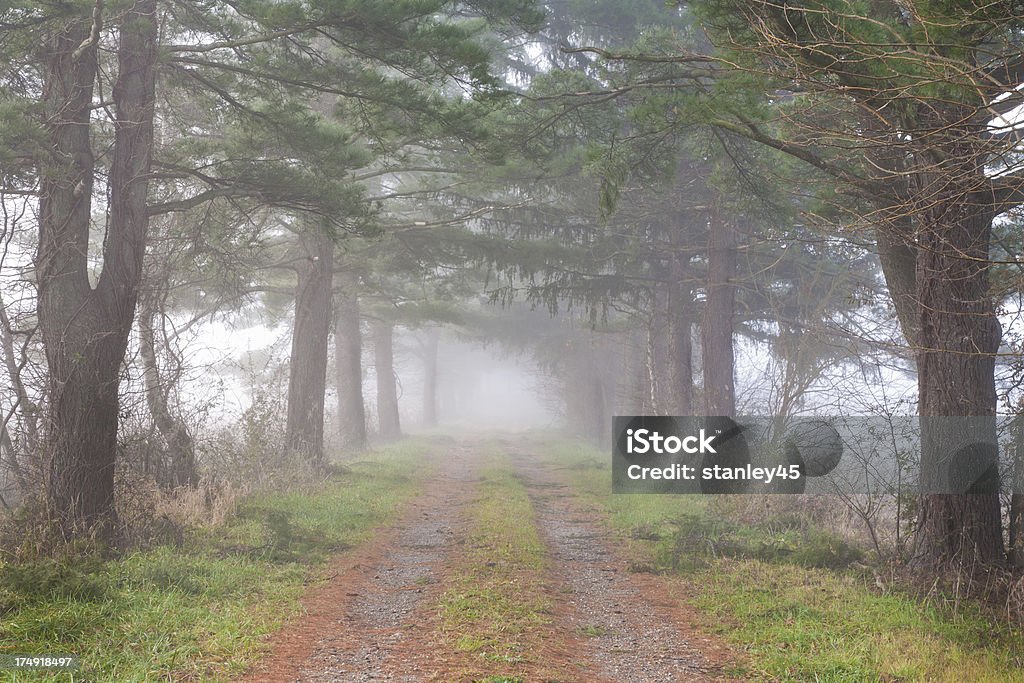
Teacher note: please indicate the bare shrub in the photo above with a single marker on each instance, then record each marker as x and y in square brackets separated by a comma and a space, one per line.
[1015, 600]
[135, 499]
[209, 504]
[149, 514]
[251, 454]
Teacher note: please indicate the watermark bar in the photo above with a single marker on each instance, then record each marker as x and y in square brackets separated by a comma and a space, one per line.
[848, 455]
[39, 662]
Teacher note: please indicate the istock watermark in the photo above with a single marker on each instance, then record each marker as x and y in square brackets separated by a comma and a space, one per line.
[807, 455]
[640, 441]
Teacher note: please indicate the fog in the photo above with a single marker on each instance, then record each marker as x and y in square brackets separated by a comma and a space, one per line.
[264, 248]
[484, 387]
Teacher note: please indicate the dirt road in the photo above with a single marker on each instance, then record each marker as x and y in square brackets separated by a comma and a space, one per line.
[377, 618]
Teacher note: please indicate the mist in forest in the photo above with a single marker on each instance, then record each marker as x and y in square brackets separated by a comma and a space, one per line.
[239, 241]
[485, 387]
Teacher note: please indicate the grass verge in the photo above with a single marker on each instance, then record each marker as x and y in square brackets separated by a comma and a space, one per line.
[200, 611]
[780, 595]
[495, 600]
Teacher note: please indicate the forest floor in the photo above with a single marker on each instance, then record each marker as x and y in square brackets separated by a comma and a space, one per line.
[497, 572]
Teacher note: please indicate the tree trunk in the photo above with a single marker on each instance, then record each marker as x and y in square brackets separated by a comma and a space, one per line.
[181, 470]
[307, 380]
[599, 428]
[85, 329]
[654, 358]
[387, 391]
[898, 257]
[1016, 521]
[430, 377]
[586, 397]
[680, 339]
[348, 359]
[719, 309]
[938, 279]
[635, 389]
[573, 397]
[959, 337]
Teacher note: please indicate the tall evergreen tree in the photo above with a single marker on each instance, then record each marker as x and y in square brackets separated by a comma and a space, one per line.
[237, 79]
[893, 100]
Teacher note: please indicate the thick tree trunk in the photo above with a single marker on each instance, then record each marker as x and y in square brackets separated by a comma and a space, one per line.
[307, 378]
[387, 392]
[719, 310]
[959, 337]
[938, 280]
[84, 329]
[430, 377]
[348, 359]
[181, 468]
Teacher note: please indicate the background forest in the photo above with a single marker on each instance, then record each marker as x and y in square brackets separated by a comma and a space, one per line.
[249, 244]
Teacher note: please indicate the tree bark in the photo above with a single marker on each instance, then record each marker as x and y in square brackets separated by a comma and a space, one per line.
[719, 311]
[898, 258]
[959, 337]
[85, 329]
[348, 359]
[430, 377]
[181, 469]
[389, 424]
[307, 380]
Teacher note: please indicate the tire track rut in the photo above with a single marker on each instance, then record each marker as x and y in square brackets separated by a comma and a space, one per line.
[355, 623]
[633, 627]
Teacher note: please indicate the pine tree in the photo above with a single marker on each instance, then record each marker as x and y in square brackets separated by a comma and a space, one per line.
[234, 81]
[893, 101]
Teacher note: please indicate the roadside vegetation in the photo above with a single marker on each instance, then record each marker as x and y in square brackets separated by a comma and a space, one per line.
[802, 602]
[200, 608]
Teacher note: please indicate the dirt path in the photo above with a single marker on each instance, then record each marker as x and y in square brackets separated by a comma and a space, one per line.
[376, 618]
[352, 625]
[636, 632]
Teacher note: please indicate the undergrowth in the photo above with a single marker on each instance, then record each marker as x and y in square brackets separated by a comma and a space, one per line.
[199, 609]
[801, 603]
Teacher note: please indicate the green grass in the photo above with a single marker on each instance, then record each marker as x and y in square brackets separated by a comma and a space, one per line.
[494, 598]
[780, 596]
[200, 611]
[591, 631]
